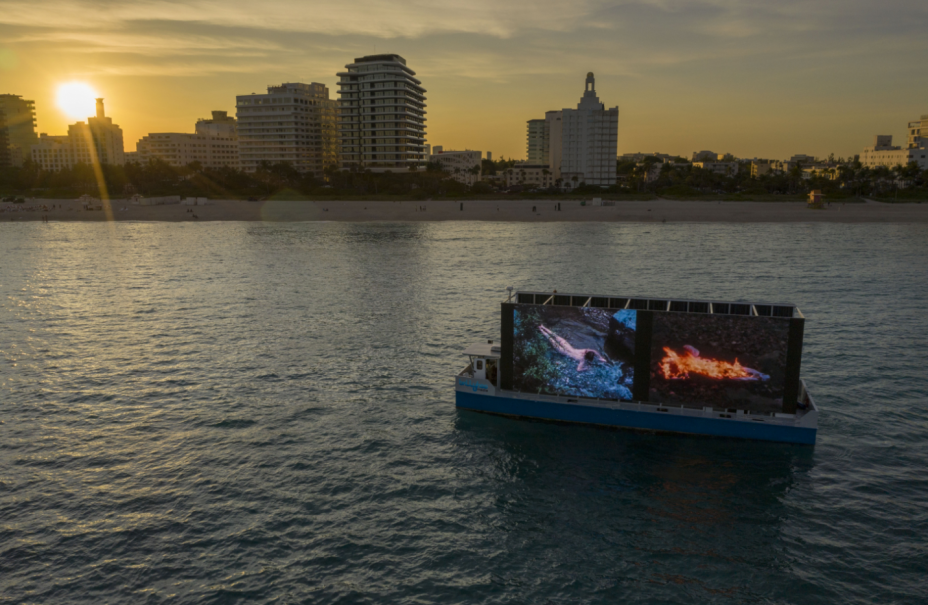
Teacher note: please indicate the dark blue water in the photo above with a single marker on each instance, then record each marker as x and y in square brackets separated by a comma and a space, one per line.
[263, 413]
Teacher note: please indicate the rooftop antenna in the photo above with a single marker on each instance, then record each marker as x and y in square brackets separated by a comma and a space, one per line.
[509, 289]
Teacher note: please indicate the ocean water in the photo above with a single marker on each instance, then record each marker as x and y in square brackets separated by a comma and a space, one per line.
[264, 413]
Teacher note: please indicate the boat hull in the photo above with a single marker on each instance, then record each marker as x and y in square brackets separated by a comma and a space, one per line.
[642, 419]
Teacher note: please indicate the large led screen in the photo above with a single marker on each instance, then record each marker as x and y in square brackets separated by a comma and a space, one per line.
[722, 361]
[577, 351]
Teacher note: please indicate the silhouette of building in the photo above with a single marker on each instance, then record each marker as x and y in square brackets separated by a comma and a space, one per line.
[94, 142]
[17, 129]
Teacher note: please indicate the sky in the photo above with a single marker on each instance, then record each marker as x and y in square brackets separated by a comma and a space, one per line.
[756, 78]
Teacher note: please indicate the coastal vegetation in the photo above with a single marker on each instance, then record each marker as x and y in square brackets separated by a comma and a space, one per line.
[679, 180]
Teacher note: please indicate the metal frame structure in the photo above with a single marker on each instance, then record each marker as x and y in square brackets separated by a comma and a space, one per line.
[711, 306]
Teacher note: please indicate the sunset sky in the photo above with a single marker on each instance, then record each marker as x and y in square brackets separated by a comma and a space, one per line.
[754, 78]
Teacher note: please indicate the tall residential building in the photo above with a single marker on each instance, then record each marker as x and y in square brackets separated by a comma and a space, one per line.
[17, 123]
[538, 141]
[293, 123]
[98, 141]
[213, 145]
[382, 115]
[589, 140]
[579, 145]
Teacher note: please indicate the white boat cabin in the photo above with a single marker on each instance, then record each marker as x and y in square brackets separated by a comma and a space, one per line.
[484, 361]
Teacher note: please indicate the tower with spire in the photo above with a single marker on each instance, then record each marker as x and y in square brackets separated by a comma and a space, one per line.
[580, 144]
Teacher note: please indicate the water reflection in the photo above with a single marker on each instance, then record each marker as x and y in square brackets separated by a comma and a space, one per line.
[669, 504]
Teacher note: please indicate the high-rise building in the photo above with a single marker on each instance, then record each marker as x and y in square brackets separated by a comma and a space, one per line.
[98, 141]
[590, 141]
[293, 123]
[17, 123]
[538, 141]
[381, 115]
[579, 145]
[213, 145]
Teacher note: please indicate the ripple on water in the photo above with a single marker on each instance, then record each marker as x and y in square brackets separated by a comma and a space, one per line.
[263, 413]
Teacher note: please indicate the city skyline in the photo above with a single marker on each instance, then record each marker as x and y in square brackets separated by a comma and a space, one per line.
[743, 78]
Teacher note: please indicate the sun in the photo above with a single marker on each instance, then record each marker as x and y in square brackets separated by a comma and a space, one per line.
[77, 100]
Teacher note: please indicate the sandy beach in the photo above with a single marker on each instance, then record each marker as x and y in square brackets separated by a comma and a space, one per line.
[483, 210]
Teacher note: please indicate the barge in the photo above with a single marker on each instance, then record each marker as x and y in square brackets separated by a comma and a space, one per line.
[700, 367]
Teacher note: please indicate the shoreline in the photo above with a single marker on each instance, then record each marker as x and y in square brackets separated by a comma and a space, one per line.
[504, 210]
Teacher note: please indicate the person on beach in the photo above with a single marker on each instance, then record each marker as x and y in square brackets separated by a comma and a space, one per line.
[584, 356]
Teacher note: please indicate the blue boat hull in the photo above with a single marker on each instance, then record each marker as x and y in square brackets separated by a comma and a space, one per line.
[649, 421]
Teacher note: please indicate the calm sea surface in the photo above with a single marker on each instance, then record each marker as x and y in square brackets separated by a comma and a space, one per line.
[264, 413]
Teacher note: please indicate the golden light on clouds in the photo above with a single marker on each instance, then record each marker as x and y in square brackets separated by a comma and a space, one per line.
[77, 100]
[748, 77]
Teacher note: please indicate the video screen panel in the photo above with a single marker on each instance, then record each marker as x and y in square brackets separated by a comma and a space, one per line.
[585, 352]
[722, 361]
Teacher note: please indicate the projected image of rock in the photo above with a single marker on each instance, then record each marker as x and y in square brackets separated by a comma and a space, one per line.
[574, 351]
[721, 361]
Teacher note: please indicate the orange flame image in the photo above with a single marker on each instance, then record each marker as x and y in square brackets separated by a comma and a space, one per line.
[675, 366]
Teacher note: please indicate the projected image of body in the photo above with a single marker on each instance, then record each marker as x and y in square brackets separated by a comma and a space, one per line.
[564, 348]
[721, 361]
[573, 351]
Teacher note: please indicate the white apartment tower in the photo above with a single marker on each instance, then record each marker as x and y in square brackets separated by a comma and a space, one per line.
[293, 123]
[381, 115]
[589, 141]
[579, 145]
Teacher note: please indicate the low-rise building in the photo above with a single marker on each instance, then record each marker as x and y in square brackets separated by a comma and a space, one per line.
[723, 168]
[761, 167]
[464, 166]
[537, 176]
[213, 145]
[884, 154]
[639, 157]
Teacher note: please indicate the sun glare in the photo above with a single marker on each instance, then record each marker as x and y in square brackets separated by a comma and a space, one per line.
[77, 100]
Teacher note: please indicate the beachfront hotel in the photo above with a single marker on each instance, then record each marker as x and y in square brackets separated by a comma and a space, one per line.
[97, 141]
[214, 144]
[381, 115]
[293, 123]
[17, 129]
[883, 153]
[580, 143]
